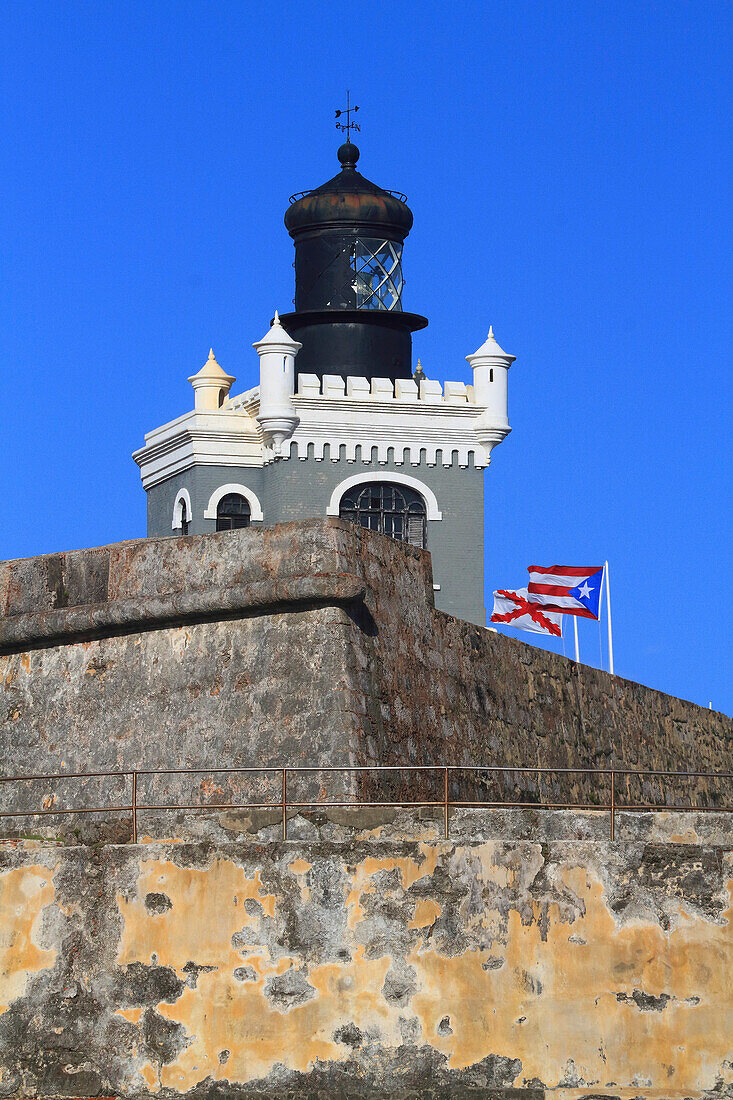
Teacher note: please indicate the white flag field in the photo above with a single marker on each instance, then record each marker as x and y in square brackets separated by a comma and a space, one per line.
[513, 608]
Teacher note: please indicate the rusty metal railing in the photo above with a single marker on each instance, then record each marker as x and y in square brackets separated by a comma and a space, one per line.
[444, 771]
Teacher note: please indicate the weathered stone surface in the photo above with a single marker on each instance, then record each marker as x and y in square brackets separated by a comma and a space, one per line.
[368, 968]
[367, 955]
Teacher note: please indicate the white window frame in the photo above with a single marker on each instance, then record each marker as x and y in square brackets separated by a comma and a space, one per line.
[182, 497]
[242, 491]
[432, 510]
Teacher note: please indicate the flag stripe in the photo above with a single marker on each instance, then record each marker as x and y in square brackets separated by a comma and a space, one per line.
[562, 600]
[557, 578]
[582, 612]
[565, 570]
[549, 589]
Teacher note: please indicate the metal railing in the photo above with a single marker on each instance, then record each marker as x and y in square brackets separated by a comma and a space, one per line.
[442, 771]
[302, 194]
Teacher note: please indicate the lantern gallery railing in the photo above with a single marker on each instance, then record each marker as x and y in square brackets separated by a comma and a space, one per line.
[610, 779]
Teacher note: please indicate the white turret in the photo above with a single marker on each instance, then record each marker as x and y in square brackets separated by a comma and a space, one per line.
[211, 385]
[490, 364]
[277, 414]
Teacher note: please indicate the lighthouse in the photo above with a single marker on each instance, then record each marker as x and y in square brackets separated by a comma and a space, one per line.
[343, 423]
[348, 236]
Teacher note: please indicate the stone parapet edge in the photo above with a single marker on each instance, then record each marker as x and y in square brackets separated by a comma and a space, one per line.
[43, 628]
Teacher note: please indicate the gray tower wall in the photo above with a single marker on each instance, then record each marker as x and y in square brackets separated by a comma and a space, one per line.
[200, 481]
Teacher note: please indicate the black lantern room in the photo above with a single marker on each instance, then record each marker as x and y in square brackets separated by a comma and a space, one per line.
[348, 237]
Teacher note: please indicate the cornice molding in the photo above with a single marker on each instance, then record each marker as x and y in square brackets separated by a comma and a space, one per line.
[405, 429]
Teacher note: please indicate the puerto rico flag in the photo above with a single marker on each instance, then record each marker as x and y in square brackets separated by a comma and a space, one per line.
[514, 609]
[566, 589]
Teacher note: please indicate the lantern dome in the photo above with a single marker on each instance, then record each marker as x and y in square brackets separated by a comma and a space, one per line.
[349, 199]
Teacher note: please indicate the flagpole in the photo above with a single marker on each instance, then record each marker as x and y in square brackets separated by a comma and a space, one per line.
[575, 629]
[608, 617]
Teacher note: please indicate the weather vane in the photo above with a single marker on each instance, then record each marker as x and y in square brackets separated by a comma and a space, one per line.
[349, 124]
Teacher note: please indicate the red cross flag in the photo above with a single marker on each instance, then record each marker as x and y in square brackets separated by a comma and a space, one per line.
[514, 609]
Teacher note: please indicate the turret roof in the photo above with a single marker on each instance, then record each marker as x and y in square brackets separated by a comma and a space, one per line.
[212, 371]
[492, 348]
[276, 334]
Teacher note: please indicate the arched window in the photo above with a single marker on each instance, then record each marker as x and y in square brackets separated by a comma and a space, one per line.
[182, 514]
[233, 512]
[391, 509]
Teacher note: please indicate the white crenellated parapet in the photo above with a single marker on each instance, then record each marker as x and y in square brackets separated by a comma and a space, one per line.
[428, 392]
[355, 388]
[211, 385]
[277, 416]
[407, 422]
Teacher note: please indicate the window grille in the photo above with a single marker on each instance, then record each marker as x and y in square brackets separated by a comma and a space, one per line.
[391, 509]
[232, 513]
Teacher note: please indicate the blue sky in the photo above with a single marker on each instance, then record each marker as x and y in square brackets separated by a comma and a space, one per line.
[569, 169]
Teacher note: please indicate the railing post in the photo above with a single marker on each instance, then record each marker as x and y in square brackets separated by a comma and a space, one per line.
[285, 815]
[134, 807]
[613, 805]
[445, 801]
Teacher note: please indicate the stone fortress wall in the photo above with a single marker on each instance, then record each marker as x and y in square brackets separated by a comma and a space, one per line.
[564, 966]
[308, 641]
[526, 955]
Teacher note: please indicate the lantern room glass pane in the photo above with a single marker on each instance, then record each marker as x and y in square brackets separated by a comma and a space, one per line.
[377, 267]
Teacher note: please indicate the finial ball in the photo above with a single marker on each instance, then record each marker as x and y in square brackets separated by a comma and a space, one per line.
[348, 154]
